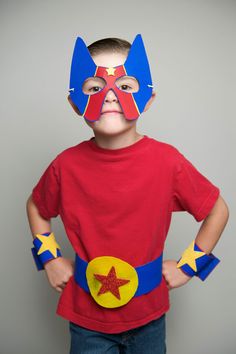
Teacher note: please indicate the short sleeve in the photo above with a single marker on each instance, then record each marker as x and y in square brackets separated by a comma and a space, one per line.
[46, 193]
[192, 191]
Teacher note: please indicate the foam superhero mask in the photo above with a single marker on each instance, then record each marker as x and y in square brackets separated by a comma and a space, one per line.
[136, 66]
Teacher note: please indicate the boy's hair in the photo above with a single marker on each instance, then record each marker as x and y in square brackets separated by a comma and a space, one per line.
[115, 45]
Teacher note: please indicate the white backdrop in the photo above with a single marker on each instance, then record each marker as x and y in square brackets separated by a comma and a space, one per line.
[192, 51]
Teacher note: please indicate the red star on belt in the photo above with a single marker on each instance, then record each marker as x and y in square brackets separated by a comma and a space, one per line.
[110, 283]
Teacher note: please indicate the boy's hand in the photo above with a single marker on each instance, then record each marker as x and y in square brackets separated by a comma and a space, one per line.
[174, 276]
[58, 271]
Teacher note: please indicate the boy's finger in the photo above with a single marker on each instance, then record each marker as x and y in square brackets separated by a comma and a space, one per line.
[63, 284]
[58, 289]
[167, 284]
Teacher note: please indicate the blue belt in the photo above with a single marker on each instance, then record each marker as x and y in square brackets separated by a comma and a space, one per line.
[149, 275]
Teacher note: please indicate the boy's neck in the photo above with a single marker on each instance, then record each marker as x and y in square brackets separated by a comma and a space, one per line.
[117, 141]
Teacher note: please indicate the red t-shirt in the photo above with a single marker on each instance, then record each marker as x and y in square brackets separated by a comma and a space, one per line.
[119, 203]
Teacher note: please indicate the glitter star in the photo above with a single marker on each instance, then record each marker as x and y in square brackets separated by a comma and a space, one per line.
[110, 71]
[110, 283]
[48, 244]
[189, 257]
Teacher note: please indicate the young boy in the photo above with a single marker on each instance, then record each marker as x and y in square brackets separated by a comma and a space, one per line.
[115, 194]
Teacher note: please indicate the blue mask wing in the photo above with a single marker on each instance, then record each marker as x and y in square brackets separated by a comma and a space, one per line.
[82, 67]
[137, 65]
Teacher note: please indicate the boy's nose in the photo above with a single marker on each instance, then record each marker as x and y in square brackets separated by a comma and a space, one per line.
[111, 97]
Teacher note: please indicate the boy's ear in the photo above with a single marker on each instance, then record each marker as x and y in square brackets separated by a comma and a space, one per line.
[149, 102]
[75, 108]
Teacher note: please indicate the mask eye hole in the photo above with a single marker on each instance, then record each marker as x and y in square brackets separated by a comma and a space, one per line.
[127, 84]
[93, 85]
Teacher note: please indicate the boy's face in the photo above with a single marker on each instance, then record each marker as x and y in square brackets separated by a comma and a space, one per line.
[112, 119]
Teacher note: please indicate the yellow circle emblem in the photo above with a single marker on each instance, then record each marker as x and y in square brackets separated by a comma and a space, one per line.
[112, 282]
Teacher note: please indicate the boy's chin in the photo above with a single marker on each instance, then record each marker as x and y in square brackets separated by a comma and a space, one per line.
[111, 123]
[112, 127]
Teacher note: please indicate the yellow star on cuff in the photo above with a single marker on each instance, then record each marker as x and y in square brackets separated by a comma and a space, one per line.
[48, 244]
[189, 257]
[110, 71]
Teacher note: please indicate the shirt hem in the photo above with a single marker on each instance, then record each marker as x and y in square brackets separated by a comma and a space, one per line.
[109, 327]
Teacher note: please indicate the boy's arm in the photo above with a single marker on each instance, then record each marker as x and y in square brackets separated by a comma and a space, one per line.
[207, 237]
[60, 269]
[213, 226]
[36, 222]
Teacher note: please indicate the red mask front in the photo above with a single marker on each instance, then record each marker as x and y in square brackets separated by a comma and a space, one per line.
[96, 100]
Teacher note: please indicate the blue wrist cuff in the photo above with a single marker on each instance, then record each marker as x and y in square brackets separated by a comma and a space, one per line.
[196, 262]
[37, 261]
[41, 257]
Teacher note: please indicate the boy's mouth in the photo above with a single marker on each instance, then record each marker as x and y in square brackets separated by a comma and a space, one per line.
[112, 112]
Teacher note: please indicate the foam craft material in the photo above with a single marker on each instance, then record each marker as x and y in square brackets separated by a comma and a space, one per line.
[196, 262]
[112, 282]
[136, 65]
[45, 248]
